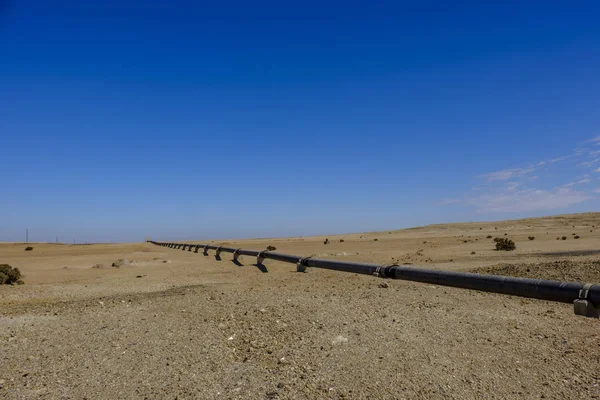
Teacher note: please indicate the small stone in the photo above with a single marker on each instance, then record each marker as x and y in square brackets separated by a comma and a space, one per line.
[384, 285]
[339, 340]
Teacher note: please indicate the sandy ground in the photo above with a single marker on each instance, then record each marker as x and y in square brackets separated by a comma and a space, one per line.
[175, 324]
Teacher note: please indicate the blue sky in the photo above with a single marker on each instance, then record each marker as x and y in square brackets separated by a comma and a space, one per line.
[180, 120]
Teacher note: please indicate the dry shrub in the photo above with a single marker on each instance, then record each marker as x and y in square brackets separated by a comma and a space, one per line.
[28, 248]
[341, 240]
[10, 275]
[564, 238]
[531, 237]
[488, 237]
[505, 244]
[576, 237]
[271, 248]
[326, 241]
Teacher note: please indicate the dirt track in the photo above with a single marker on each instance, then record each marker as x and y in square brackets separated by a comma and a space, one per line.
[178, 324]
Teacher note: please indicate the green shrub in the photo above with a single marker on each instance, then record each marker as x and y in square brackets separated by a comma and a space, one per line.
[10, 275]
[28, 248]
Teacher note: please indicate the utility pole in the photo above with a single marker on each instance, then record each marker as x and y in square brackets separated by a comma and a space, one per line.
[27, 235]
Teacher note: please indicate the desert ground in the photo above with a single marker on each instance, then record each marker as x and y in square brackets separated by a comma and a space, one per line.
[172, 324]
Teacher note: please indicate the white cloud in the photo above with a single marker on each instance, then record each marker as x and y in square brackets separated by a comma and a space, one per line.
[594, 140]
[563, 158]
[580, 182]
[527, 200]
[589, 163]
[507, 174]
[560, 185]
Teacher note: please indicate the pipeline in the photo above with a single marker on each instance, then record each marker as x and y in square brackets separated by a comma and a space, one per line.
[585, 297]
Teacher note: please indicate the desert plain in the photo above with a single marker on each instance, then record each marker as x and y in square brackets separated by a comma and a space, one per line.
[171, 324]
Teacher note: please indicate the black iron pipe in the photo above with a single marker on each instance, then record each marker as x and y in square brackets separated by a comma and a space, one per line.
[281, 257]
[564, 292]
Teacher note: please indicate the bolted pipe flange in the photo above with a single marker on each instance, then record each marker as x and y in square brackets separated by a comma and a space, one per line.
[302, 264]
[218, 254]
[380, 271]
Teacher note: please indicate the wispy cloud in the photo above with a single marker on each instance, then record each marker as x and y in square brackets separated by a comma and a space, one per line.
[519, 189]
[589, 163]
[558, 159]
[528, 200]
[595, 140]
[508, 174]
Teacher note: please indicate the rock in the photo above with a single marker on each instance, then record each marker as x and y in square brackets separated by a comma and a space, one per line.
[121, 262]
[384, 285]
[339, 340]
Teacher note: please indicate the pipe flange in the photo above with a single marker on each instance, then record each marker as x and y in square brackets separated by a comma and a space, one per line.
[379, 271]
[302, 264]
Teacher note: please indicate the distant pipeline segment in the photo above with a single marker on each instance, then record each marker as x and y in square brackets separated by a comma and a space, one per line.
[585, 297]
